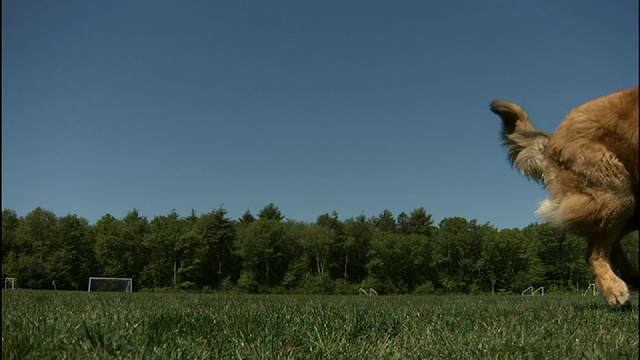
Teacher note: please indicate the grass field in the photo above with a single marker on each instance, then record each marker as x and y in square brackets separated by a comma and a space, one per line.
[78, 325]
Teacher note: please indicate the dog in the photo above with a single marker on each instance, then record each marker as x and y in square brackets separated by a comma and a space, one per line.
[589, 167]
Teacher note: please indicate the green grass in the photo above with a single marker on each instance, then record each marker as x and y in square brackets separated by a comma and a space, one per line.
[75, 325]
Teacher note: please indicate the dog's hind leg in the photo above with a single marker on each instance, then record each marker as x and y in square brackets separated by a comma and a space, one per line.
[608, 210]
[600, 218]
[621, 263]
[611, 286]
[591, 193]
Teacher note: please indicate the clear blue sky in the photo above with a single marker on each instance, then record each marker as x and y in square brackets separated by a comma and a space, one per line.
[315, 106]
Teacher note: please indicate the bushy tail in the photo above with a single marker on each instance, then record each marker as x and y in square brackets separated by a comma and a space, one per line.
[524, 142]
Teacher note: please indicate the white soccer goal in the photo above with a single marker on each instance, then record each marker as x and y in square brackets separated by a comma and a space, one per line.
[10, 283]
[533, 290]
[111, 284]
[538, 290]
[370, 292]
[591, 288]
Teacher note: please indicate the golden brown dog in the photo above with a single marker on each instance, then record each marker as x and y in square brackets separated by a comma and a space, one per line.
[590, 169]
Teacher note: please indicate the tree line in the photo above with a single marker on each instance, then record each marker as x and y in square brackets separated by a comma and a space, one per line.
[267, 253]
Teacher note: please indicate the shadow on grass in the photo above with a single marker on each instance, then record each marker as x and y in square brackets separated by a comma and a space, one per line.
[603, 306]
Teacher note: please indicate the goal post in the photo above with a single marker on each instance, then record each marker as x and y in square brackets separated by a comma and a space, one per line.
[110, 284]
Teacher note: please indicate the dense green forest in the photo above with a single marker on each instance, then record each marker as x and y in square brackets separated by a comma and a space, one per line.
[267, 253]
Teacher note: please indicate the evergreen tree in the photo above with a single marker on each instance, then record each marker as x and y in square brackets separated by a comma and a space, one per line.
[73, 263]
[246, 218]
[420, 223]
[271, 212]
[386, 222]
[160, 244]
[359, 232]
[218, 232]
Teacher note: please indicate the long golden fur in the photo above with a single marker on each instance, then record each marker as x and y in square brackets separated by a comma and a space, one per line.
[590, 169]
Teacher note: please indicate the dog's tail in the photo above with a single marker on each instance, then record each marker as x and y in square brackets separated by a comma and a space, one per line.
[523, 141]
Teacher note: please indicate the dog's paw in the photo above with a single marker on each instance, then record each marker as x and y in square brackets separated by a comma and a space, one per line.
[618, 298]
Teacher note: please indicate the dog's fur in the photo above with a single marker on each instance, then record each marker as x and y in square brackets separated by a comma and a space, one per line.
[590, 169]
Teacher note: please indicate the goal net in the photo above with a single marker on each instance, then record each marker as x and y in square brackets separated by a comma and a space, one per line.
[110, 284]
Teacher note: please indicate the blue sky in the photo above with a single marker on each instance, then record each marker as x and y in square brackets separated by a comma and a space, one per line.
[315, 106]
